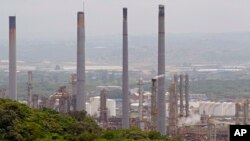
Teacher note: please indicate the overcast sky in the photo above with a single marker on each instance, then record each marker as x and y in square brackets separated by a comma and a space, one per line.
[103, 17]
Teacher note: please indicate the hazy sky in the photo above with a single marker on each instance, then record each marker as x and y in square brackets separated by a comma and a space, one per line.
[40, 18]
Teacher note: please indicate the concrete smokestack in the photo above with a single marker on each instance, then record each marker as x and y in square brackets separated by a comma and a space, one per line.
[125, 103]
[12, 58]
[161, 71]
[81, 93]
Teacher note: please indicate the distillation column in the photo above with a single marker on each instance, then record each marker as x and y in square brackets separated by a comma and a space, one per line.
[154, 105]
[187, 94]
[140, 107]
[103, 108]
[181, 96]
[173, 109]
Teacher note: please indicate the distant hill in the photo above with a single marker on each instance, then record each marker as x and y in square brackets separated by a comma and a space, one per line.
[222, 48]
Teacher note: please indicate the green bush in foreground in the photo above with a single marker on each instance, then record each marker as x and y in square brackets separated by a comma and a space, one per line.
[18, 122]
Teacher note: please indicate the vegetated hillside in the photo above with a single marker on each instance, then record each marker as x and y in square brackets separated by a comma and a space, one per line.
[21, 123]
[224, 48]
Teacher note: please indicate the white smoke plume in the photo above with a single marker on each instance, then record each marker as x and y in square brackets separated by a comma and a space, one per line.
[159, 76]
[191, 120]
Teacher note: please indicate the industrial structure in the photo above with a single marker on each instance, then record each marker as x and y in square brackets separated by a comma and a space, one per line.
[161, 125]
[154, 109]
[12, 58]
[81, 90]
[125, 91]
[173, 109]
[242, 112]
[103, 108]
[187, 94]
[29, 88]
[181, 96]
[140, 106]
[169, 112]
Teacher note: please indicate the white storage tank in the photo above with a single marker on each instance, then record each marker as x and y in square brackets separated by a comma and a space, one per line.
[229, 109]
[94, 106]
[201, 107]
[218, 109]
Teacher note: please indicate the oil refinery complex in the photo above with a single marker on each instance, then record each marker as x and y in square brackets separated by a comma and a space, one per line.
[172, 111]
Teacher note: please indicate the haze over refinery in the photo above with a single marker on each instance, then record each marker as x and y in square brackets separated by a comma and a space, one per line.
[57, 17]
[118, 70]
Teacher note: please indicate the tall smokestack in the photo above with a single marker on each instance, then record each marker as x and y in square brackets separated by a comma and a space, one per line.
[125, 103]
[161, 71]
[12, 58]
[81, 95]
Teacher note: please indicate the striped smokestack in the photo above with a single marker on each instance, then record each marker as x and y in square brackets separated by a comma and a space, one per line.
[161, 126]
[125, 103]
[12, 58]
[81, 92]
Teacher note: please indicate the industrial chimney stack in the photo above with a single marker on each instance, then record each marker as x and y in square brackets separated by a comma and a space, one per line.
[161, 71]
[81, 91]
[125, 103]
[12, 58]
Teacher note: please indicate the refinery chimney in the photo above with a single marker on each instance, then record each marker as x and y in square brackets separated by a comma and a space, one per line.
[81, 95]
[125, 102]
[161, 126]
[12, 58]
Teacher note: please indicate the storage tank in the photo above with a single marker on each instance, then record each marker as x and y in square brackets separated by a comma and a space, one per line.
[88, 108]
[207, 108]
[201, 107]
[94, 106]
[111, 105]
[229, 109]
[211, 108]
[218, 109]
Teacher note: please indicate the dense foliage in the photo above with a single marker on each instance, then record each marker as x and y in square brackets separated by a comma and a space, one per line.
[18, 122]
